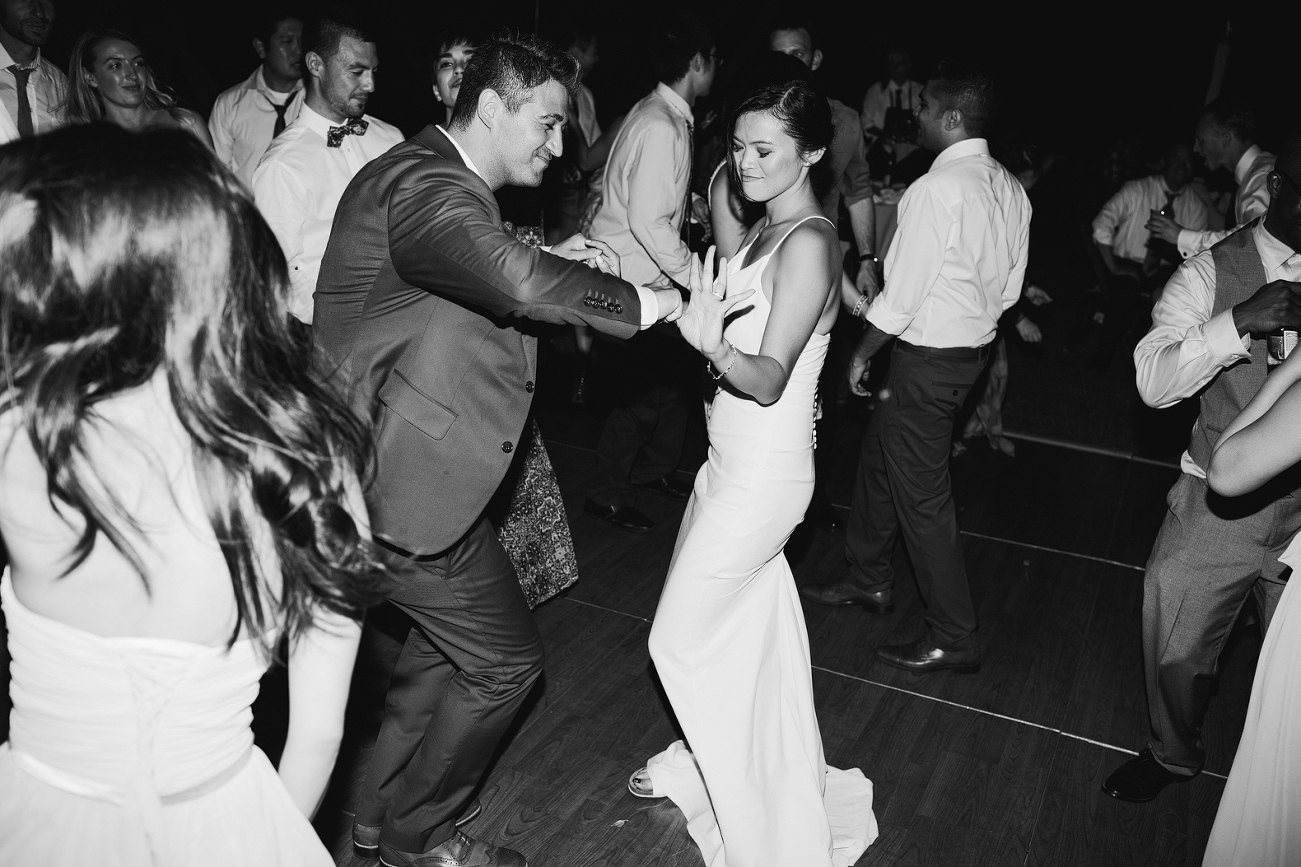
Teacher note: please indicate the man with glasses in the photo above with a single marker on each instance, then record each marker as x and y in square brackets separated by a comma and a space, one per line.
[645, 206]
[1209, 338]
[1226, 138]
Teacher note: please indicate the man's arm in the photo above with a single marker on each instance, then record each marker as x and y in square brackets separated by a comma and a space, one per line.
[1252, 202]
[1186, 346]
[856, 187]
[284, 204]
[915, 258]
[657, 190]
[223, 139]
[443, 238]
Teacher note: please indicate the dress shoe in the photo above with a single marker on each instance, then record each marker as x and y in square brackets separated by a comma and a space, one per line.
[669, 486]
[365, 838]
[923, 657]
[844, 593]
[581, 395]
[623, 517]
[822, 514]
[456, 851]
[1142, 779]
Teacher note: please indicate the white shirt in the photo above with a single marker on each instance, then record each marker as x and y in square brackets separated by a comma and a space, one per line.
[47, 90]
[1250, 202]
[880, 96]
[644, 190]
[959, 255]
[242, 121]
[587, 115]
[649, 304]
[1121, 222]
[1186, 346]
[297, 187]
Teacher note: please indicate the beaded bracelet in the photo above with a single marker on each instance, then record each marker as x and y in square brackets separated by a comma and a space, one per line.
[730, 364]
[858, 308]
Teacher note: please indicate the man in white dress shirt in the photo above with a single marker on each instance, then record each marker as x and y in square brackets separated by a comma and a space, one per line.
[303, 174]
[897, 91]
[246, 117]
[957, 263]
[645, 197]
[1137, 267]
[1209, 340]
[1226, 138]
[32, 89]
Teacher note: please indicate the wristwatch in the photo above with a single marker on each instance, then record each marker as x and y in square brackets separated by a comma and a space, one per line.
[866, 256]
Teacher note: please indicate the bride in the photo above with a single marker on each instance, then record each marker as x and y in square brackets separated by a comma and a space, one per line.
[729, 641]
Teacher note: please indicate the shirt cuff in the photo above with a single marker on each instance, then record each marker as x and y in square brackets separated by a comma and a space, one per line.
[1187, 243]
[885, 320]
[1223, 338]
[650, 306]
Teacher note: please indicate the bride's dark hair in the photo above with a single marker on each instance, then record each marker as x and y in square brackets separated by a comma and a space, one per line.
[122, 253]
[804, 114]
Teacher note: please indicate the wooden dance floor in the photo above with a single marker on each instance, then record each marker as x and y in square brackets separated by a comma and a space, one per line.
[1000, 767]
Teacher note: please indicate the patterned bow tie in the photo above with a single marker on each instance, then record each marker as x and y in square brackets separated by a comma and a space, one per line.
[354, 126]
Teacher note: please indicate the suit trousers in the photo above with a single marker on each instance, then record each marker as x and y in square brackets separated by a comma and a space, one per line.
[903, 488]
[468, 663]
[1210, 553]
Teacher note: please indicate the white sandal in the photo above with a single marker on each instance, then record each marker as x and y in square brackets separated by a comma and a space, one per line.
[640, 785]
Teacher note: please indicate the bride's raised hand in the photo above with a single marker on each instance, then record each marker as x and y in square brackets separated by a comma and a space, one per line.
[702, 323]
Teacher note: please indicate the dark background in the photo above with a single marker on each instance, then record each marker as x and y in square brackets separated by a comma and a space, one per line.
[1071, 75]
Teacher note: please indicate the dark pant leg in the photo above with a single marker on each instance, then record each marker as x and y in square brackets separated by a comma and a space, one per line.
[873, 525]
[665, 430]
[468, 608]
[1121, 303]
[915, 446]
[1209, 554]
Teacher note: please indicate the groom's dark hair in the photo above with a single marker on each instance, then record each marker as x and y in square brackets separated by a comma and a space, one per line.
[512, 65]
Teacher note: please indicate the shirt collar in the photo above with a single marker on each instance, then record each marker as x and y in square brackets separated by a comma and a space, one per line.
[259, 83]
[675, 102]
[6, 60]
[316, 122]
[965, 148]
[469, 163]
[1244, 163]
[1273, 252]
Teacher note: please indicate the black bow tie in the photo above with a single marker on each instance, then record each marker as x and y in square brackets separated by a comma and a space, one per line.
[354, 126]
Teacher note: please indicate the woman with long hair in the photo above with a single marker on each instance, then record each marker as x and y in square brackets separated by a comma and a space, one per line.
[110, 79]
[729, 641]
[180, 495]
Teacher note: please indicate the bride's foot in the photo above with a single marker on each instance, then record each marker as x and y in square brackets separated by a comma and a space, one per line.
[640, 784]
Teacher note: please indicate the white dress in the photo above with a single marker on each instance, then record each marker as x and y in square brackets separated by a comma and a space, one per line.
[130, 752]
[1259, 818]
[729, 641]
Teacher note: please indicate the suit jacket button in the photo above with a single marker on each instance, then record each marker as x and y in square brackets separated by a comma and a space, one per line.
[528, 386]
[507, 447]
[618, 308]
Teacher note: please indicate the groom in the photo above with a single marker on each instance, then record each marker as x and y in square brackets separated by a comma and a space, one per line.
[416, 309]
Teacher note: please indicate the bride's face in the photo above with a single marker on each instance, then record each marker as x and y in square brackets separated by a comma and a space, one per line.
[767, 160]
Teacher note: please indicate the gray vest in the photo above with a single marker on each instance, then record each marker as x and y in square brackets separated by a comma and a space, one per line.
[1238, 274]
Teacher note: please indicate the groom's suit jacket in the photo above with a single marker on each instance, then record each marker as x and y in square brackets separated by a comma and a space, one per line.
[419, 294]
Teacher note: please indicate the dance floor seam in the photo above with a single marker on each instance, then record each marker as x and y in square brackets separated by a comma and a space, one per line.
[1050, 550]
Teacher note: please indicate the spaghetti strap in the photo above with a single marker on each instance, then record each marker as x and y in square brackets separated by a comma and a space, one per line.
[777, 246]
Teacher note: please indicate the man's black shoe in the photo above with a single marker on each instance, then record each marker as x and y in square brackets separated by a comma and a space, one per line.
[459, 851]
[844, 593]
[1142, 779]
[625, 518]
[922, 656]
[669, 486]
[822, 514]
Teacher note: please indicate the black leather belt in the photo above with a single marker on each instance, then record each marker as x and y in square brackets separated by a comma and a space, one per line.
[961, 353]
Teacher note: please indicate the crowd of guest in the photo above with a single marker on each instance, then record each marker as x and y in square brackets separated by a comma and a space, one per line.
[279, 363]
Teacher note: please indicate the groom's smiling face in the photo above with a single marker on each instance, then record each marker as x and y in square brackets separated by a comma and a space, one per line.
[530, 136]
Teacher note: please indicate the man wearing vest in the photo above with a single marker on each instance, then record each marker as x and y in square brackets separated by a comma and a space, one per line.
[1208, 335]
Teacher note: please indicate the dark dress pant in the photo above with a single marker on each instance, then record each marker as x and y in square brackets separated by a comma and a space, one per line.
[468, 663]
[903, 487]
[1210, 554]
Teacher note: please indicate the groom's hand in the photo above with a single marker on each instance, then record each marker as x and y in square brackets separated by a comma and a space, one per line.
[670, 303]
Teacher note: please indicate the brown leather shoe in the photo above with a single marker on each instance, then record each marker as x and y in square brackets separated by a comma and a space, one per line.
[842, 592]
[456, 851]
[923, 657]
[365, 838]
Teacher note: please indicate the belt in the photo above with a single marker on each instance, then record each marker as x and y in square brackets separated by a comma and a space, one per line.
[959, 353]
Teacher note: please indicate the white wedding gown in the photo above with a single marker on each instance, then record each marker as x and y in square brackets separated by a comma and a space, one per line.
[131, 752]
[729, 641]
